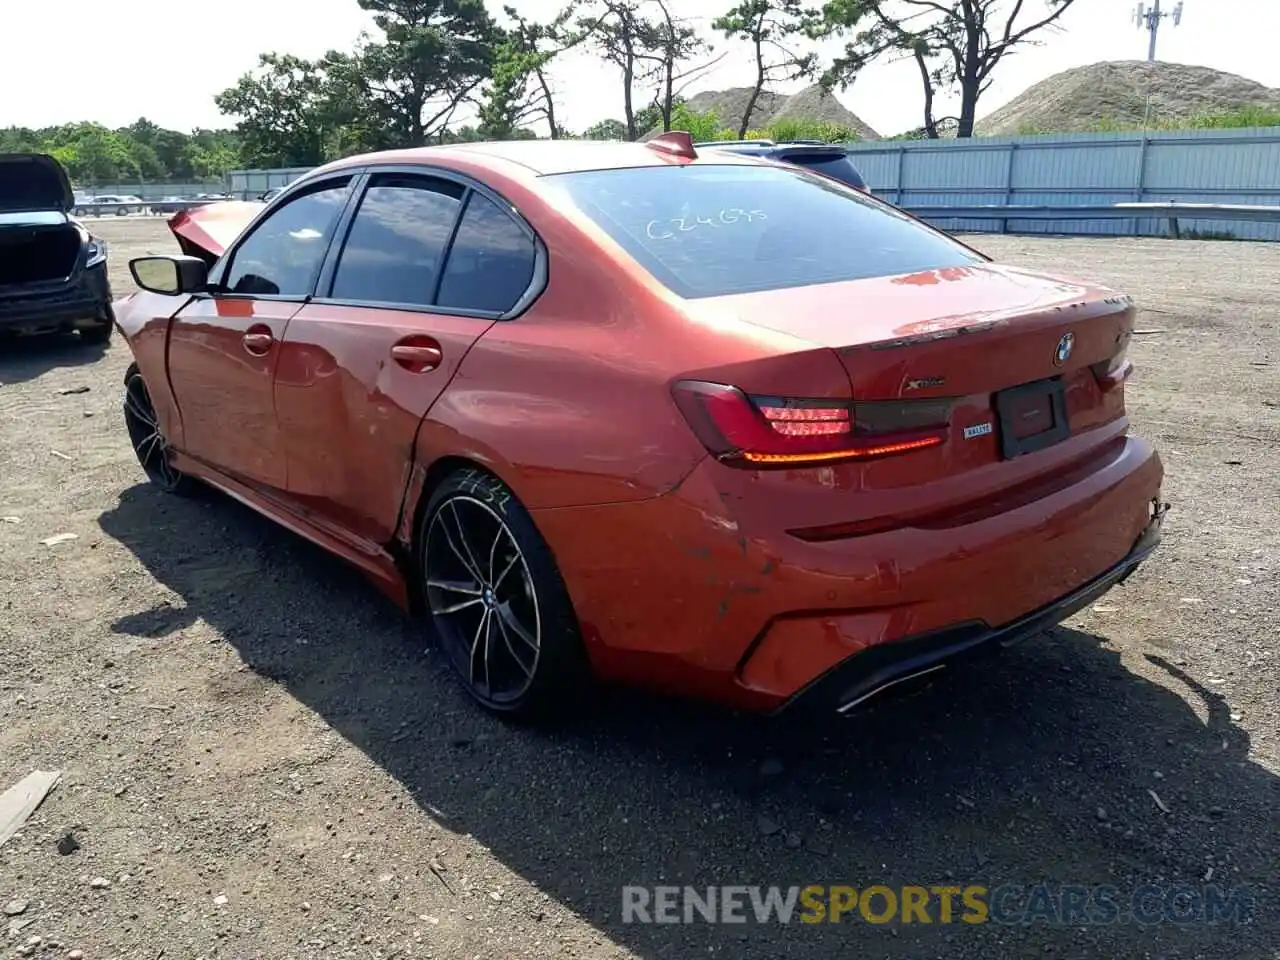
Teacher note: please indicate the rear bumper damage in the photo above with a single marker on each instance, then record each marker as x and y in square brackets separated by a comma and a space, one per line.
[716, 604]
[85, 300]
[883, 668]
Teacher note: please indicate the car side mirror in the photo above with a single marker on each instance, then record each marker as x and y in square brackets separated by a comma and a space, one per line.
[170, 275]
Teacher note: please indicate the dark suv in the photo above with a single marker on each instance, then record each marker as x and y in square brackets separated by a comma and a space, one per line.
[829, 159]
[53, 272]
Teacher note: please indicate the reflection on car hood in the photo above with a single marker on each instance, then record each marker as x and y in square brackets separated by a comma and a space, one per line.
[34, 218]
[208, 230]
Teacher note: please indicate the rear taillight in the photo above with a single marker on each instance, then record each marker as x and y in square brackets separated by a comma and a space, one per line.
[787, 432]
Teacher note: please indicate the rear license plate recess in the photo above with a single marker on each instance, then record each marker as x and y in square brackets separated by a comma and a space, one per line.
[1032, 416]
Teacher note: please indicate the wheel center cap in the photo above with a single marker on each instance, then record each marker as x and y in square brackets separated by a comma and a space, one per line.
[487, 597]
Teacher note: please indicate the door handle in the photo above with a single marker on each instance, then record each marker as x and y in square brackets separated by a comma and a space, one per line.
[258, 344]
[416, 358]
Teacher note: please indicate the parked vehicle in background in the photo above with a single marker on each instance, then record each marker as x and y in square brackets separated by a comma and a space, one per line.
[120, 204]
[270, 194]
[53, 271]
[167, 205]
[717, 426]
[172, 205]
[829, 159]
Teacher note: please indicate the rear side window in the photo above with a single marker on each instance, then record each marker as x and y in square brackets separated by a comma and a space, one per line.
[707, 231]
[394, 250]
[491, 262]
[282, 256]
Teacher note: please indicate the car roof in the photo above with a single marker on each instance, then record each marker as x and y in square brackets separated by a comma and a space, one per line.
[540, 157]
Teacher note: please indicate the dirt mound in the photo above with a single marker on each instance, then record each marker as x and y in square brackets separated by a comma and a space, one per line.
[812, 103]
[809, 104]
[730, 105]
[1116, 93]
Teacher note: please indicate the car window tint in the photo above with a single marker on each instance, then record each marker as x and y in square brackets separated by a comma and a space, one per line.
[491, 263]
[282, 255]
[397, 241]
[712, 230]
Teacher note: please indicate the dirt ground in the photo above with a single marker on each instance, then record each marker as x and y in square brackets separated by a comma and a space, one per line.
[260, 761]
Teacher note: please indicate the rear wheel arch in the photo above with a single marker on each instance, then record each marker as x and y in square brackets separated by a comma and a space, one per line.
[424, 480]
[434, 475]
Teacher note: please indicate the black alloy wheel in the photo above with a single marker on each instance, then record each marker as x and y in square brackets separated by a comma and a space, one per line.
[500, 610]
[149, 444]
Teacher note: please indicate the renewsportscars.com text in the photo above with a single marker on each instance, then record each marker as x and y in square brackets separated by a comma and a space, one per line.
[1054, 904]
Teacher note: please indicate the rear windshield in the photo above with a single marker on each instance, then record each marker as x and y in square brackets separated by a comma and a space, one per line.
[831, 165]
[708, 231]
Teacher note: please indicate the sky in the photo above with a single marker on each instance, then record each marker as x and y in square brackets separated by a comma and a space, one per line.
[146, 58]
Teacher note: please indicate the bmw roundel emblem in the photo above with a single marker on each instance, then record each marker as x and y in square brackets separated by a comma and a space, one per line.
[1065, 346]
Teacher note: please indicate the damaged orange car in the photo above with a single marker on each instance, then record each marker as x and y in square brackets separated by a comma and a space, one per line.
[622, 412]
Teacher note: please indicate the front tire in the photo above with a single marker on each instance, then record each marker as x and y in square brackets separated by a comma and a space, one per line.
[501, 613]
[149, 444]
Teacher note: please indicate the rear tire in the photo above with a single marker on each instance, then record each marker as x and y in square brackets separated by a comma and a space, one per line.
[149, 444]
[499, 608]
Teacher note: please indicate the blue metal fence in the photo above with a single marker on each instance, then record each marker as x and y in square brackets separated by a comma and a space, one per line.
[251, 184]
[1053, 170]
[1190, 166]
[148, 191]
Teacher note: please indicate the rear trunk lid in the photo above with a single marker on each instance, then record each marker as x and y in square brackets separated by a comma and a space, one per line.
[208, 230]
[32, 182]
[957, 332]
[39, 243]
[1011, 369]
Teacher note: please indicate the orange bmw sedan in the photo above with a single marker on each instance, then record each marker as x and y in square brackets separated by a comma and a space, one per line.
[628, 413]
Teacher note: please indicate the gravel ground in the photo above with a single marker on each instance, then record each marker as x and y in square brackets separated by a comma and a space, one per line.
[258, 762]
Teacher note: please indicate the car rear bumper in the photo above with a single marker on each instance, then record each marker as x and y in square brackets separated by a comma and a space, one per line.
[681, 593]
[880, 669]
[86, 298]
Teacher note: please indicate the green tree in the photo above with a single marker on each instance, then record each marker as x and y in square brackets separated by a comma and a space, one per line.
[352, 122]
[92, 153]
[141, 151]
[771, 28]
[650, 118]
[653, 49]
[519, 90]
[700, 126]
[282, 112]
[606, 130]
[432, 56]
[210, 154]
[20, 140]
[956, 44]
[672, 45]
[173, 148]
[621, 36]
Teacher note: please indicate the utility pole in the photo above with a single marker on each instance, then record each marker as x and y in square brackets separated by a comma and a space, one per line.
[1149, 18]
